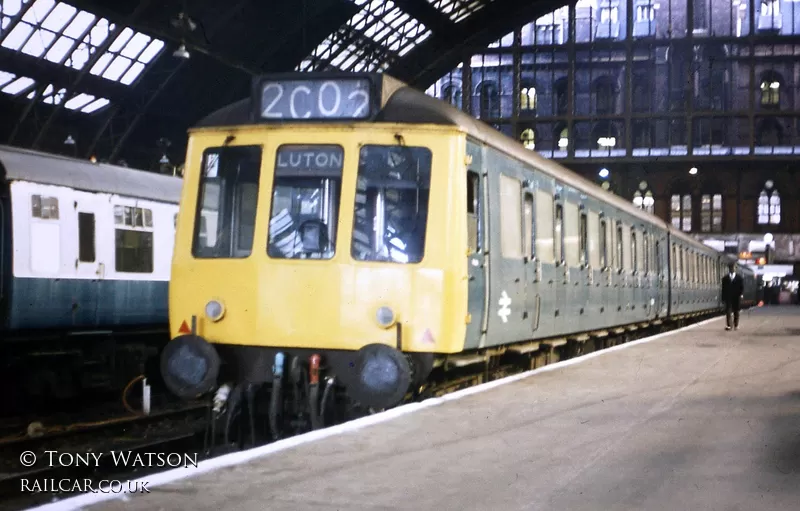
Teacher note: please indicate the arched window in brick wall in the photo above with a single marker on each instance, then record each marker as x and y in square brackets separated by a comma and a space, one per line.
[451, 93]
[489, 99]
[770, 90]
[681, 211]
[769, 205]
[527, 98]
[711, 212]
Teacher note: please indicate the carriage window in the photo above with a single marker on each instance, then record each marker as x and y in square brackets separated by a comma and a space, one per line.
[619, 261]
[86, 247]
[584, 240]
[391, 207]
[673, 262]
[593, 238]
[133, 239]
[228, 197]
[646, 255]
[634, 252]
[511, 243]
[305, 202]
[473, 211]
[543, 205]
[681, 266]
[603, 244]
[558, 234]
[658, 258]
[45, 208]
[528, 232]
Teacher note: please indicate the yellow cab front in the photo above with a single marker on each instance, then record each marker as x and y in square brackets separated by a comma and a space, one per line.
[322, 237]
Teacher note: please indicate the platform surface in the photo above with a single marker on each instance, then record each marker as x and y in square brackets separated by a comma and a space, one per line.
[700, 420]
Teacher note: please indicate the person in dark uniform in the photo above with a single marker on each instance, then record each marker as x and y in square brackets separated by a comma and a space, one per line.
[732, 290]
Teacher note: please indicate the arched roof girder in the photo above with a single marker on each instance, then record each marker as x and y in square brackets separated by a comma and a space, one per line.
[419, 40]
[444, 50]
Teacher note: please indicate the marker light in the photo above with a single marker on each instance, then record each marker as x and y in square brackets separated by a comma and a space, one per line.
[385, 317]
[603, 173]
[214, 310]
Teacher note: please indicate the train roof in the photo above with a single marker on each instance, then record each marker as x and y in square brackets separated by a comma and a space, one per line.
[52, 169]
[403, 104]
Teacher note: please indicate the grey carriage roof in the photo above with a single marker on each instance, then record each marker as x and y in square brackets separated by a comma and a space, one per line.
[25, 165]
[408, 105]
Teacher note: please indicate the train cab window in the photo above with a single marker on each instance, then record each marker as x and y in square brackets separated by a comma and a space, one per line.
[473, 211]
[305, 202]
[133, 239]
[620, 244]
[528, 228]
[227, 199]
[603, 244]
[45, 208]
[558, 234]
[511, 226]
[391, 206]
[583, 245]
[86, 244]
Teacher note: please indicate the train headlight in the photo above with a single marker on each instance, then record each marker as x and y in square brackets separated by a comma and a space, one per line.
[385, 317]
[215, 310]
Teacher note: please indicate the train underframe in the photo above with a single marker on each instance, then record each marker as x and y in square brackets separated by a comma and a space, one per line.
[45, 372]
[265, 394]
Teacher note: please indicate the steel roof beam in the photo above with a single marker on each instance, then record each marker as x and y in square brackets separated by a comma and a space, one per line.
[37, 95]
[49, 73]
[151, 97]
[440, 53]
[15, 20]
[427, 14]
[100, 51]
[98, 9]
[326, 23]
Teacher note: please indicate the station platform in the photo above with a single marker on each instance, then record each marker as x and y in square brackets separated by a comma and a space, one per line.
[698, 418]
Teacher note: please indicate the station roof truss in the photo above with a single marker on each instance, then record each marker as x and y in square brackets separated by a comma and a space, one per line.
[115, 61]
[62, 34]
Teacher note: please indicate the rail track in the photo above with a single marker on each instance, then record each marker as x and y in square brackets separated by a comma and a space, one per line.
[171, 429]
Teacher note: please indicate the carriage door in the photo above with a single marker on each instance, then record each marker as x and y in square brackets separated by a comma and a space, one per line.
[476, 260]
[88, 268]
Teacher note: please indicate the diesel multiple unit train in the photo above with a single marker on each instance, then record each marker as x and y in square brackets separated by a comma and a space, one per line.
[347, 235]
[85, 253]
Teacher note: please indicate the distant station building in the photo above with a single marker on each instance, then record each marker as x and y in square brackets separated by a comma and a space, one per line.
[689, 108]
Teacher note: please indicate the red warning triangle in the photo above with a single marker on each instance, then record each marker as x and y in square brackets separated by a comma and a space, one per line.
[184, 329]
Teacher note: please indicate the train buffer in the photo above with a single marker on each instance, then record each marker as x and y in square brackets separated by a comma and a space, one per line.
[697, 418]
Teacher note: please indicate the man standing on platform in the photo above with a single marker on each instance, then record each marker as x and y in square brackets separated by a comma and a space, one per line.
[732, 290]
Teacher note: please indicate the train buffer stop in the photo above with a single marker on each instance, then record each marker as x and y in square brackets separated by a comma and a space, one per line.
[697, 418]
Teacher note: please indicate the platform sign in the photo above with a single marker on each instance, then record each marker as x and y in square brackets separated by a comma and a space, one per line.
[317, 98]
